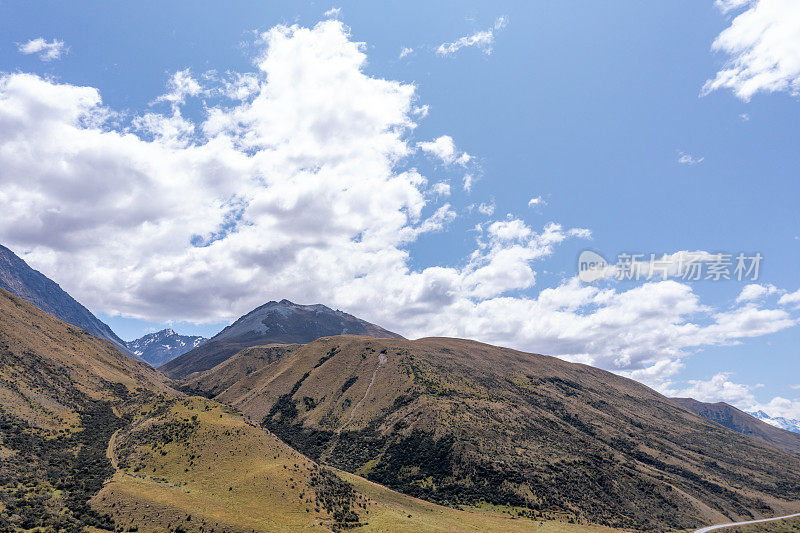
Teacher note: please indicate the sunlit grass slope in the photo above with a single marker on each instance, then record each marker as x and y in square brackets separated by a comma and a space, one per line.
[195, 465]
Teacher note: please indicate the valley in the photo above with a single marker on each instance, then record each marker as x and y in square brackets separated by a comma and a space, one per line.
[359, 432]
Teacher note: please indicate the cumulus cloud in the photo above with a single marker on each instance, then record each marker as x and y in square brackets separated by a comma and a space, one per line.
[46, 50]
[333, 12]
[445, 149]
[763, 48]
[181, 84]
[483, 40]
[406, 51]
[441, 188]
[754, 291]
[299, 183]
[537, 201]
[791, 298]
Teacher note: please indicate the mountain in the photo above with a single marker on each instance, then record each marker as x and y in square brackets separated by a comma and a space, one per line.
[163, 346]
[463, 423]
[21, 280]
[281, 322]
[741, 422]
[778, 421]
[94, 440]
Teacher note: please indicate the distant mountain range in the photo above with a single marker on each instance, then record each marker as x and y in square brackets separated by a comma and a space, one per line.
[21, 280]
[281, 322]
[778, 421]
[163, 346]
[744, 423]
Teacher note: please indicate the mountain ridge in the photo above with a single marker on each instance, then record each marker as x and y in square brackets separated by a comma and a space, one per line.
[742, 422]
[163, 346]
[777, 421]
[18, 278]
[275, 322]
[458, 422]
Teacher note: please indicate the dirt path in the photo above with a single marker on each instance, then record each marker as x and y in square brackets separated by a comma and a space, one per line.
[381, 362]
[110, 450]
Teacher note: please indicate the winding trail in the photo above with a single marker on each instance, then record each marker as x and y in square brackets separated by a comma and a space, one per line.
[381, 362]
[714, 528]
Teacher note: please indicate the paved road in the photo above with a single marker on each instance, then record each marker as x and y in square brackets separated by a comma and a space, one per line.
[714, 528]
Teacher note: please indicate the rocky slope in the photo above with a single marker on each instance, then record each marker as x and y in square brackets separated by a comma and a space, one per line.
[459, 422]
[741, 422]
[31, 285]
[272, 323]
[163, 346]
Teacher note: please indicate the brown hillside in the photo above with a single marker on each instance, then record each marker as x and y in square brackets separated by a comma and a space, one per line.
[196, 465]
[459, 422]
[62, 394]
[92, 440]
[49, 369]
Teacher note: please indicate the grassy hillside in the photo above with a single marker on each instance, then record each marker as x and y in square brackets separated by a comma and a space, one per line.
[62, 395]
[463, 423]
[194, 465]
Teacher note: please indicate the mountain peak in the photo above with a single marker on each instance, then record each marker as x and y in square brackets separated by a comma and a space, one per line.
[163, 346]
[781, 422]
[275, 322]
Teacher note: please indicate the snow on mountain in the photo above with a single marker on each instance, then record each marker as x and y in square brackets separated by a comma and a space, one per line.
[163, 346]
[778, 421]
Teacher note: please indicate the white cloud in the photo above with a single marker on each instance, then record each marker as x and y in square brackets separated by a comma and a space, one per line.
[441, 188]
[46, 50]
[421, 111]
[534, 202]
[181, 84]
[484, 40]
[730, 5]
[406, 51]
[301, 186]
[445, 149]
[485, 208]
[745, 117]
[763, 45]
[790, 299]
[754, 291]
[333, 12]
[469, 181]
[234, 85]
[689, 159]
[719, 389]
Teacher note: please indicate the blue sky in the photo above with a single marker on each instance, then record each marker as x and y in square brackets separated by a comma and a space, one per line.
[588, 106]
